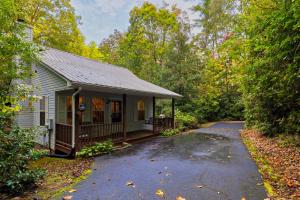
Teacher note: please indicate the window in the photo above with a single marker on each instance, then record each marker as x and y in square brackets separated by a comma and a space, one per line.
[85, 116]
[43, 111]
[116, 115]
[69, 110]
[141, 110]
[61, 109]
[98, 110]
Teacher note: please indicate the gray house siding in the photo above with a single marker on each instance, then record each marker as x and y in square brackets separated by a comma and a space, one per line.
[46, 83]
[25, 117]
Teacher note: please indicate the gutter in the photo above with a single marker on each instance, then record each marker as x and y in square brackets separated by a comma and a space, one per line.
[73, 115]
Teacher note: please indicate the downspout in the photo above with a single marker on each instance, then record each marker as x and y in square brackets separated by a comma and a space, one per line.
[73, 116]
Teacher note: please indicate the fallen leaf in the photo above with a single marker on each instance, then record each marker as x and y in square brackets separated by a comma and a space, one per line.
[69, 197]
[168, 174]
[72, 190]
[180, 198]
[160, 193]
[130, 184]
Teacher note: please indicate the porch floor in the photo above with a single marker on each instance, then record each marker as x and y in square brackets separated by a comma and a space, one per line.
[135, 136]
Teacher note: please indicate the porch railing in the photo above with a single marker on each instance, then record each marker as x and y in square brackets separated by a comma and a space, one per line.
[92, 133]
[162, 124]
[88, 134]
[63, 137]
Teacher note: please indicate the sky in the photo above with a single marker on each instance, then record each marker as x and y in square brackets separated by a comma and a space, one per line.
[100, 18]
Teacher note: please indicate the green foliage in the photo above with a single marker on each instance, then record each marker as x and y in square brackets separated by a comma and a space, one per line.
[96, 149]
[271, 81]
[158, 49]
[36, 154]
[185, 120]
[219, 95]
[15, 152]
[55, 24]
[170, 132]
[16, 57]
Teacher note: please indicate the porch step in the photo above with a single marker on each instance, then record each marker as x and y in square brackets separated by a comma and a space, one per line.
[63, 148]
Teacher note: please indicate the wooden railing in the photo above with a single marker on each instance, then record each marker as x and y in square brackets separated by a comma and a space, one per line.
[162, 124]
[92, 133]
[63, 137]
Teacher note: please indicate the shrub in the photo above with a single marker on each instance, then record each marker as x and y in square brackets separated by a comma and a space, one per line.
[96, 149]
[37, 154]
[15, 152]
[170, 132]
[185, 120]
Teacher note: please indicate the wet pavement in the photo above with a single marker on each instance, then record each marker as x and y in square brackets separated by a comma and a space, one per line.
[210, 163]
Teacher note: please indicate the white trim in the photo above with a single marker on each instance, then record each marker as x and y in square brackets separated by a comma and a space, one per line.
[74, 115]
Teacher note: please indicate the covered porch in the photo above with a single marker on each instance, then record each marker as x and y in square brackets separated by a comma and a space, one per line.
[86, 116]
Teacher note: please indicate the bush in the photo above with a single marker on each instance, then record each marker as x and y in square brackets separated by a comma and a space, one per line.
[96, 149]
[37, 154]
[15, 152]
[170, 132]
[185, 120]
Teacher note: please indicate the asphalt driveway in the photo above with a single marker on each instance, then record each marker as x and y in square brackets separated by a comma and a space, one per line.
[210, 163]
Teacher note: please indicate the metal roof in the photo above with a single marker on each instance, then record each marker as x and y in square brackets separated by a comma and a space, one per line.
[87, 72]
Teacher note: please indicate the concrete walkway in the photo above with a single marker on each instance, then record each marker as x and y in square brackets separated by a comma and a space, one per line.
[210, 163]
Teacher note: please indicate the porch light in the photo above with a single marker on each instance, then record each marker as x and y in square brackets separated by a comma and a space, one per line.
[82, 107]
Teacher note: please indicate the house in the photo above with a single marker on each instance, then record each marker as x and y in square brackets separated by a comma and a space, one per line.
[83, 101]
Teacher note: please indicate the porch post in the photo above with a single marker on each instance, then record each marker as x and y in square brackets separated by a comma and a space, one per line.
[173, 113]
[124, 116]
[76, 122]
[153, 115]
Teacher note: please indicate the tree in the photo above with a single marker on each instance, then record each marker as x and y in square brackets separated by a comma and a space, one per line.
[110, 47]
[157, 48]
[271, 84]
[217, 18]
[92, 51]
[55, 23]
[218, 41]
[16, 57]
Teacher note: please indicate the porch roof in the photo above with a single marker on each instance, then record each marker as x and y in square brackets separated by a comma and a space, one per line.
[81, 71]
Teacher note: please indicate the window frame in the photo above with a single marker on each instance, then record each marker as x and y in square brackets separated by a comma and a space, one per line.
[141, 113]
[99, 112]
[43, 113]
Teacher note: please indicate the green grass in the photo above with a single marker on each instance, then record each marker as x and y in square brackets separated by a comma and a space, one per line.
[60, 175]
[75, 181]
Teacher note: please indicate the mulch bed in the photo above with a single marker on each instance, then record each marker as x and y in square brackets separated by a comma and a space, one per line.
[283, 161]
[61, 174]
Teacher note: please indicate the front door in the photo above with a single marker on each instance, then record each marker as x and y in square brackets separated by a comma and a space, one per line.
[116, 114]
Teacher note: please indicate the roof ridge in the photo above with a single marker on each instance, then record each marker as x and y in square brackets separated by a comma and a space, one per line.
[90, 59]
